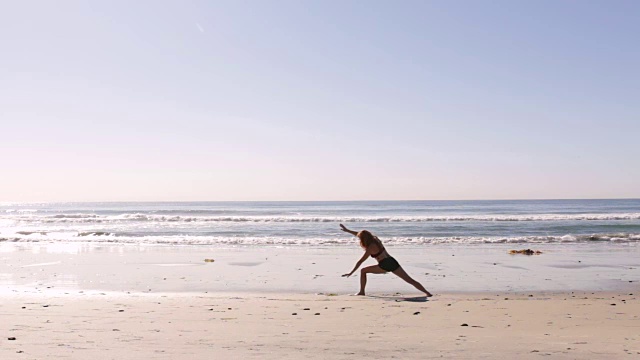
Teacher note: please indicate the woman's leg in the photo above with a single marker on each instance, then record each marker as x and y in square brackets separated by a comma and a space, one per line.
[373, 269]
[404, 276]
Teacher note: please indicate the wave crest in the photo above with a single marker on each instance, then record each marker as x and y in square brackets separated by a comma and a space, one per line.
[93, 218]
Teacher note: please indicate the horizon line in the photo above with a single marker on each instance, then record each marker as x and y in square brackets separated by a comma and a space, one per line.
[301, 201]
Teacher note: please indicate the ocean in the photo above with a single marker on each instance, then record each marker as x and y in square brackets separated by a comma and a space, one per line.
[397, 223]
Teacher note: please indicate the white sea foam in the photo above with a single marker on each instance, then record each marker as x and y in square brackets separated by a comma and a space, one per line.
[273, 240]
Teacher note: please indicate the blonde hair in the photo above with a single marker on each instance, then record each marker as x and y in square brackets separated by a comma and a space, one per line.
[367, 239]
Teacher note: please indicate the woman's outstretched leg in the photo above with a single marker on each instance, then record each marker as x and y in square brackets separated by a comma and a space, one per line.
[404, 276]
[373, 269]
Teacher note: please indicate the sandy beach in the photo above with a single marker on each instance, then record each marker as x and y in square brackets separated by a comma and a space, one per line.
[577, 325]
[80, 301]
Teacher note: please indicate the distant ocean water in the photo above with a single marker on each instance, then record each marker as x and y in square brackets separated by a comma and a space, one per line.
[297, 223]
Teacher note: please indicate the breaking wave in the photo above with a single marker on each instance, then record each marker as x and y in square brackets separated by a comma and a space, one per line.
[93, 218]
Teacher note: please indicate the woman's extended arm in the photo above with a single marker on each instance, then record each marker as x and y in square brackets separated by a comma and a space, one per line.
[344, 228]
[362, 259]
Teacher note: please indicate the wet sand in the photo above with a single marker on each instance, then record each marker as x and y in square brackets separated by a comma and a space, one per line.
[38, 267]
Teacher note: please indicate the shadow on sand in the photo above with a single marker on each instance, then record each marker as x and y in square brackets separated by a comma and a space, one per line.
[400, 298]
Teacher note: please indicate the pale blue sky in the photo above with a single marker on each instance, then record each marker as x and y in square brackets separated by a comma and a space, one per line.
[319, 100]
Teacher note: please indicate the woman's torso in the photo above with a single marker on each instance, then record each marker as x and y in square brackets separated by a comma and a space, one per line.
[378, 252]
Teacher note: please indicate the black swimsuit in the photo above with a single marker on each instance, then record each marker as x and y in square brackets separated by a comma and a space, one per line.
[388, 263]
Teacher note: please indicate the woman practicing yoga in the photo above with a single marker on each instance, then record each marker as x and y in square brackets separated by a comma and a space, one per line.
[373, 247]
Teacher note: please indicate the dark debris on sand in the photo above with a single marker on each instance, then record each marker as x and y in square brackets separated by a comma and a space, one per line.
[525, 252]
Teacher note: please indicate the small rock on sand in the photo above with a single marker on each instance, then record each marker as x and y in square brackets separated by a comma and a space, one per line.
[465, 324]
[11, 338]
[416, 313]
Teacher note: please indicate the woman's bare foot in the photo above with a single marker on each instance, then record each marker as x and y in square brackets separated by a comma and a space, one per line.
[360, 294]
[428, 294]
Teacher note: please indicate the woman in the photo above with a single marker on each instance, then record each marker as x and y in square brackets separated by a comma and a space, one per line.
[373, 247]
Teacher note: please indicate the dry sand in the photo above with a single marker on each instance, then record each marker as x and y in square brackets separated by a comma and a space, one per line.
[579, 325]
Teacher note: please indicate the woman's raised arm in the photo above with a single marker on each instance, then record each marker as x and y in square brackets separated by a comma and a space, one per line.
[344, 228]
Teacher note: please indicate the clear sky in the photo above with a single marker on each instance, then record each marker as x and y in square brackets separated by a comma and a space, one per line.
[319, 100]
